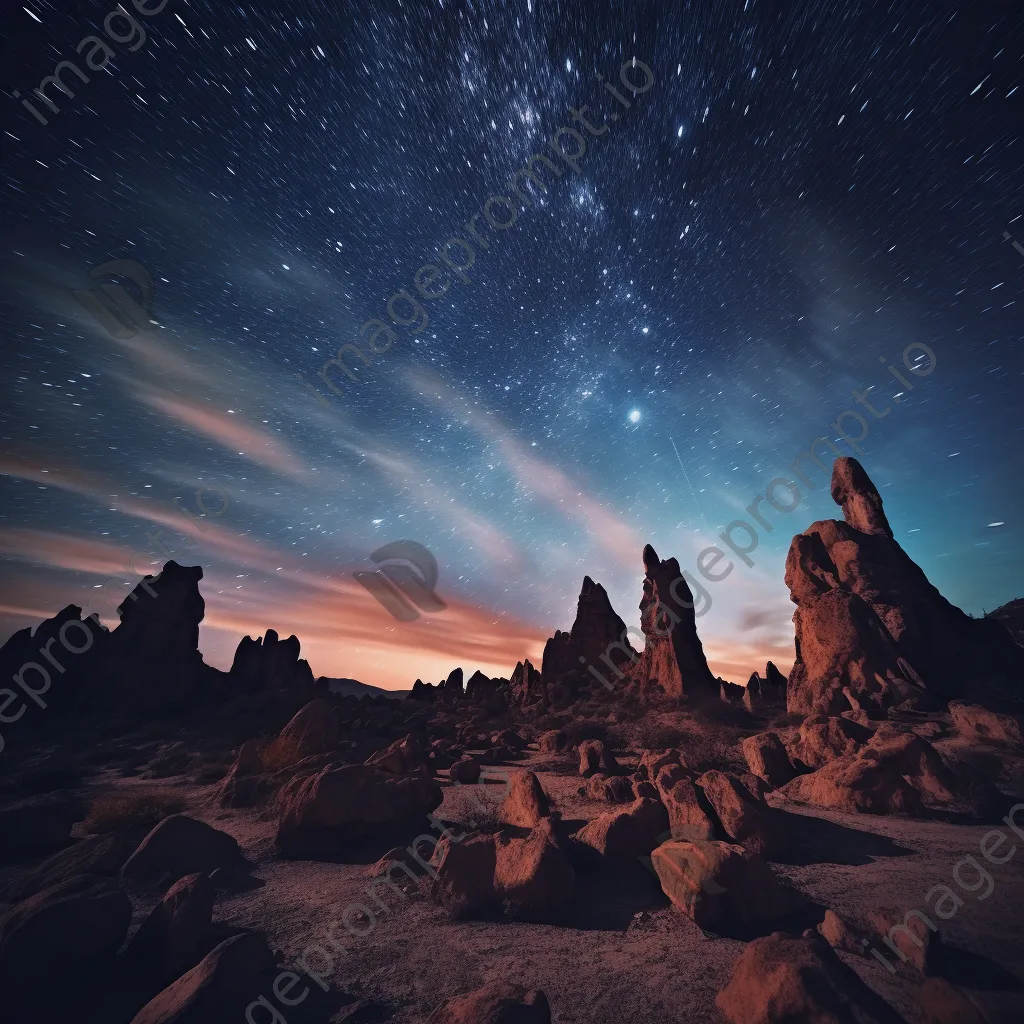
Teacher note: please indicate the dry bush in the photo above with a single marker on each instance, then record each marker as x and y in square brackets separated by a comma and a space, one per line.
[474, 806]
[650, 734]
[132, 812]
[277, 753]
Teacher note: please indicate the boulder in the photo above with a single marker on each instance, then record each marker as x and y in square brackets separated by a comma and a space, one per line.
[982, 725]
[532, 876]
[941, 1002]
[526, 802]
[610, 789]
[720, 885]
[652, 761]
[95, 855]
[495, 1003]
[338, 806]
[403, 757]
[177, 933]
[690, 815]
[553, 742]
[746, 821]
[916, 760]
[529, 877]
[627, 833]
[856, 786]
[218, 988]
[767, 759]
[823, 738]
[179, 846]
[312, 730]
[38, 825]
[73, 926]
[596, 757]
[508, 738]
[465, 770]
[245, 783]
[673, 659]
[780, 979]
[398, 860]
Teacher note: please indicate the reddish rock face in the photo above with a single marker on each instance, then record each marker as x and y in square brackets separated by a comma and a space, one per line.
[526, 802]
[627, 833]
[673, 656]
[871, 630]
[782, 978]
[721, 885]
[525, 686]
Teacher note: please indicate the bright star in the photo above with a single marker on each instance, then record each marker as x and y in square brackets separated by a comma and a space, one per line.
[634, 416]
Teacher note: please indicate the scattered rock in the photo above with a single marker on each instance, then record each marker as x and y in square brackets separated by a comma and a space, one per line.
[466, 771]
[245, 783]
[327, 812]
[496, 1003]
[95, 855]
[720, 885]
[75, 925]
[596, 757]
[176, 935]
[179, 846]
[312, 730]
[553, 742]
[889, 930]
[823, 738]
[690, 816]
[529, 877]
[767, 759]
[403, 757]
[746, 821]
[943, 1003]
[780, 978]
[627, 833]
[984, 726]
[856, 786]
[526, 802]
[611, 789]
[218, 988]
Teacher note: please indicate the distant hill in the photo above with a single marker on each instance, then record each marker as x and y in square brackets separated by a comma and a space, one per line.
[352, 687]
[1011, 615]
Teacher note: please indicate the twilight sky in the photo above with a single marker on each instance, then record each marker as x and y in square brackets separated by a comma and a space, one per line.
[634, 360]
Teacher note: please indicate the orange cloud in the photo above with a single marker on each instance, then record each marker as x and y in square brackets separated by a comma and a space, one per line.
[231, 432]
[606, 528]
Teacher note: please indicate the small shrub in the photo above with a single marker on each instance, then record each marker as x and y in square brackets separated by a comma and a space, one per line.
[132, 812]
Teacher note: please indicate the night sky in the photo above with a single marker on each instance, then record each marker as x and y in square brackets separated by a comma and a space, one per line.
[652, 342]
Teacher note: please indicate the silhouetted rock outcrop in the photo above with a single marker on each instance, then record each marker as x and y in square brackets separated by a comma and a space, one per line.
[268, 663]
[673, 656]
[870, 629]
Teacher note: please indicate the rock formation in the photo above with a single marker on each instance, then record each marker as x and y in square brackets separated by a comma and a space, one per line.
[597, 639]
[871, 631]
[268, 663]
[673, 656]
[526, 687]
